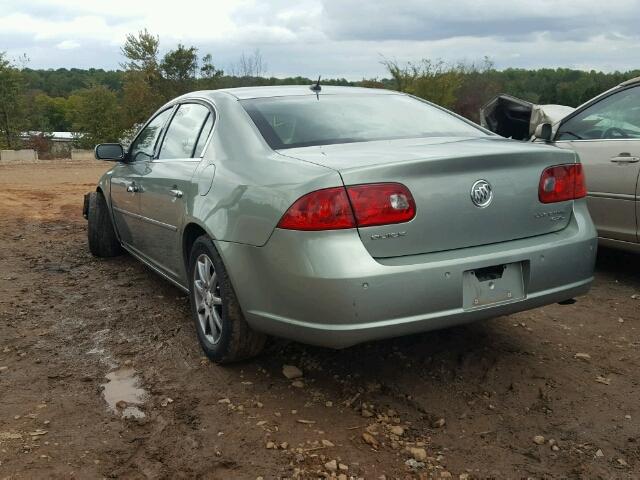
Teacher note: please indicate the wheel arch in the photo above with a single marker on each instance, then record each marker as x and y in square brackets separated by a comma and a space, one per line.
[190, 233]
[103, 188]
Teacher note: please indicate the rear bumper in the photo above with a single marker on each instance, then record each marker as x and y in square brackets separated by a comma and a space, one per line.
[324, 288]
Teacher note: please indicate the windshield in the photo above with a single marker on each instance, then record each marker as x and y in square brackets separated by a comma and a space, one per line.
[302, 121]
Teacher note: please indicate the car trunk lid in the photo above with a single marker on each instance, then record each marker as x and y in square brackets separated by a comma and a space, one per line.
[440, 173]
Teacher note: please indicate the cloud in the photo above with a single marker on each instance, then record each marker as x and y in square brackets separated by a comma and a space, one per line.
[67, 45]
[331, 37]
[419, 20]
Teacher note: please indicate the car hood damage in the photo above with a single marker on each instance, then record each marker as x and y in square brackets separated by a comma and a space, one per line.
[512, 117]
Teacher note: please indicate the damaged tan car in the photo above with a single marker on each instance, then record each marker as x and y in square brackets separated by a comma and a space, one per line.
[605, 132]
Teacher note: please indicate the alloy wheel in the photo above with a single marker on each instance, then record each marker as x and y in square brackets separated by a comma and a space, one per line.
[206, 290]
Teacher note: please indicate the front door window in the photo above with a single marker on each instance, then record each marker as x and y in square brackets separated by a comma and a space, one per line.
[613, 118]
[143, 147]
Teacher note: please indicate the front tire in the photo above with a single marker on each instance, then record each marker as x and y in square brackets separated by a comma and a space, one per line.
[223, 333]
[101, 234]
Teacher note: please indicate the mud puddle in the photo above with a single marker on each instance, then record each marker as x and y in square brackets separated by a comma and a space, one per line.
[123, 393]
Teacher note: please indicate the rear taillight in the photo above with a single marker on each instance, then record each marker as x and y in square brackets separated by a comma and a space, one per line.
[381, 204]
[562, 183]
[356, 206]
[326, 209]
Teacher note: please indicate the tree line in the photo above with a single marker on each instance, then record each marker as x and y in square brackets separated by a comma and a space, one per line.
[109, 105]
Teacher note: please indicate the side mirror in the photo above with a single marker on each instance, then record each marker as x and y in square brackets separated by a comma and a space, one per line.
[543, 132]
[109, 151]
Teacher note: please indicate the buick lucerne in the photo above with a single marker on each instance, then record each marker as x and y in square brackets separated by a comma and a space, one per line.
[339, 215]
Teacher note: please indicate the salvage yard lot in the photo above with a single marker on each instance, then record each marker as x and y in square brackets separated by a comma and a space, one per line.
[471, 400]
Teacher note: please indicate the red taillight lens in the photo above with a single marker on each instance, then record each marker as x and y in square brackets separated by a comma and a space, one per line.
[581, 182]
[334, 208]
[381, 204]
[562, 183]
[326, 209]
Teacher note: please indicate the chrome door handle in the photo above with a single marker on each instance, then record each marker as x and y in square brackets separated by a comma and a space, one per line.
[175, 193]
[132, 187]
[625, 159]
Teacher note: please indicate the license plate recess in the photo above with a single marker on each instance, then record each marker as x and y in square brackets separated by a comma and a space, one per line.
[492, 285]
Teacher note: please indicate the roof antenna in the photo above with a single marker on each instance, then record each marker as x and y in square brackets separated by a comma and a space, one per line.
[316, 87]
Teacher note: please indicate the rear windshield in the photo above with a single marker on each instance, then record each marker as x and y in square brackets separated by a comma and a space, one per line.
[302, 121]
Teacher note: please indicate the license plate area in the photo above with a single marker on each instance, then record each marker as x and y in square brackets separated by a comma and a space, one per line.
[492, 285]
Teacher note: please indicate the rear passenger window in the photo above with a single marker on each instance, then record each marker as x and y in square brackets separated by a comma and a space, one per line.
[204, 135]
[182, 133]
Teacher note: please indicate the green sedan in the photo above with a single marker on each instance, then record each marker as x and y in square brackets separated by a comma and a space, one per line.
[339, 215]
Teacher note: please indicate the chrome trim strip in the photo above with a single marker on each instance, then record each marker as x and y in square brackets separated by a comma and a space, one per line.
[615, 196]
[212, 104]
[620, 244]
[157, 270]
[147, 219]
[169, 160]
[589, 140]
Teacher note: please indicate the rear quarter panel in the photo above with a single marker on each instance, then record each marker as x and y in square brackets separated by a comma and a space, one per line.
[253, 185]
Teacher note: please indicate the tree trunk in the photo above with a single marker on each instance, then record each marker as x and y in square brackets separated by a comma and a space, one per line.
[5, 128]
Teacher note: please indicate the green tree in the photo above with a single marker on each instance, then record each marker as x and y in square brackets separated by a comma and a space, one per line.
[479, 85]
[179, 67]
[12, 119]
[95, 113]
[209, 74]
[180, 64]
[142, 92]
[140, 98]
[141, 52]
[435, 81]
[62, 82]
[48, 114]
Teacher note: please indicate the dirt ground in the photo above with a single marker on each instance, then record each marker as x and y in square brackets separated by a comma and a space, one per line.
[469, 402]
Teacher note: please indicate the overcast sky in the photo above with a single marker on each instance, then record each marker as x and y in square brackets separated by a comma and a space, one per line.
[345, 38]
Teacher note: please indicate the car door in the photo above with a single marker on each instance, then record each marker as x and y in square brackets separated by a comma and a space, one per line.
[167, 184]
[125, 188]
[606, 136]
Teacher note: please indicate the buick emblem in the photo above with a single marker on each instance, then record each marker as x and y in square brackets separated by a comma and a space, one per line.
[481, 193]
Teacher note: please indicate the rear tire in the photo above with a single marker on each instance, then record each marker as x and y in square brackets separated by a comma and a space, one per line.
[223, 333]
[101, 235]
